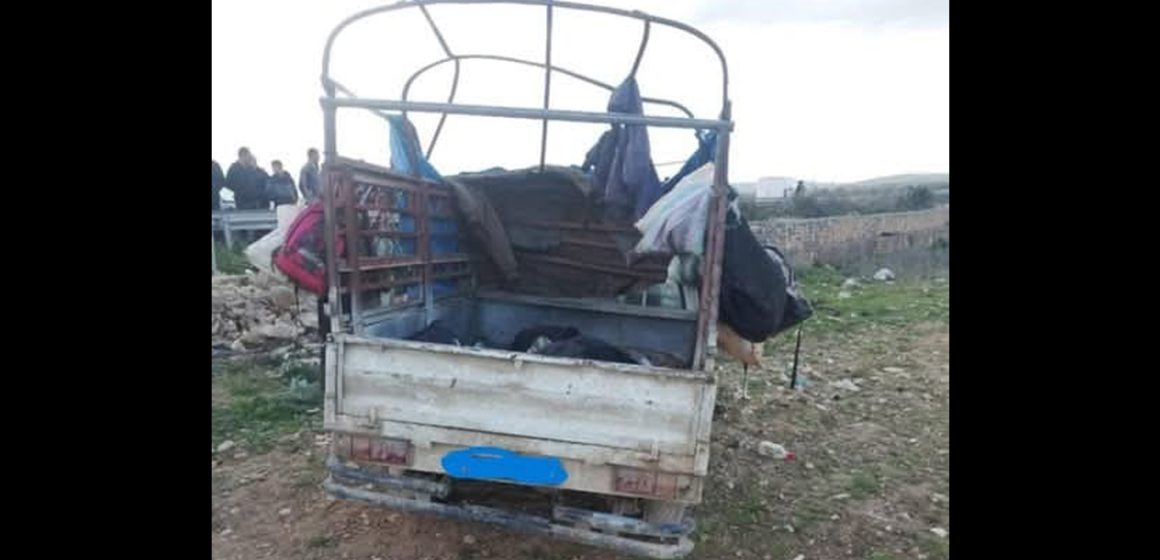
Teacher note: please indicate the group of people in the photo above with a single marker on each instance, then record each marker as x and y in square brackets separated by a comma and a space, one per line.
[254, 189]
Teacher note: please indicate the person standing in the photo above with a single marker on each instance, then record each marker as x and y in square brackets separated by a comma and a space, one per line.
[244, 181]
[280, 186]
[309, 179]
[261, 179]
[219, 181]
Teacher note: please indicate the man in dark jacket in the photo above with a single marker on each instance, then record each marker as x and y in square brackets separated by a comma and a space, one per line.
[263, 201]
[248, 182]
[308, 179]
[219, 181]
[280, 186]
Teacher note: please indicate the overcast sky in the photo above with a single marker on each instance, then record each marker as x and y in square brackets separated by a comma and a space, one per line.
[825, 90]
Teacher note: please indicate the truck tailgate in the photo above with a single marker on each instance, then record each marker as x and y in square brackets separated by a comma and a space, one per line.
[594, 412]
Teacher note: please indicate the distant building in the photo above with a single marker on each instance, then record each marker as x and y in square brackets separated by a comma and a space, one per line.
[775, 187]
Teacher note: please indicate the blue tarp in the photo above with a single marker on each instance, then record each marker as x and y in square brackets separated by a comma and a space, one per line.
[706, 152]
[405, 151]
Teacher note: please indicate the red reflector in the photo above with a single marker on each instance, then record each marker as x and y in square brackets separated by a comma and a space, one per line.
[668, 486]
[360, 447]
[390, 451]
[379, 450]
[635, 481]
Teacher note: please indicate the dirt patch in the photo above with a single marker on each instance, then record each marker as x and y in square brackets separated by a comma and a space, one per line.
[271, 506]
[871, 479]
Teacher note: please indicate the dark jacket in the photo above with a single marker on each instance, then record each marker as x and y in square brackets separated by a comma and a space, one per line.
[620, 162]
[219, 181]
[310, 182]
[262, 202]
[248, 185]
[280, 189]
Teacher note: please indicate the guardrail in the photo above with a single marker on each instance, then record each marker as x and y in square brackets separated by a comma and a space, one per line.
[230, 221]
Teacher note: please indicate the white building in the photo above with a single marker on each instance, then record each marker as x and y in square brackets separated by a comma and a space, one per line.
[775, 187]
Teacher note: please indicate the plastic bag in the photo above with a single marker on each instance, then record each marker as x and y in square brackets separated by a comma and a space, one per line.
[261, 252]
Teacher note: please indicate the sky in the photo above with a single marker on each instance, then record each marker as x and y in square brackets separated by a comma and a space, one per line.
[822, 90]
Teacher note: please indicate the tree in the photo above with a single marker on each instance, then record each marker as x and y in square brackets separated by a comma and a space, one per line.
[916, 198]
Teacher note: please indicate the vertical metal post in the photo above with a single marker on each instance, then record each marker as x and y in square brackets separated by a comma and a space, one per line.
[226, 226]
[454, 82]
[706, 347]
[329, 137]
[547, 87]
[213, 253]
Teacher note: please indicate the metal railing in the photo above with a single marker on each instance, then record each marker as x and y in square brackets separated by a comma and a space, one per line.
[229, 221]
[722, 124]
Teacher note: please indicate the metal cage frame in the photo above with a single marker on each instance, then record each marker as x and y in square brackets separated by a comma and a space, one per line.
[723, 125]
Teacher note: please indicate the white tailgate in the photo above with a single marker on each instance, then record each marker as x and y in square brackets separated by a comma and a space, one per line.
[587, 411]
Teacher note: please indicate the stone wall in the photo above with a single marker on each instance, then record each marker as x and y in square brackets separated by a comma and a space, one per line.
[857, 241]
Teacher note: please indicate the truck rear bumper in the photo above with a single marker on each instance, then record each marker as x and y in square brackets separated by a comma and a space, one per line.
[572, 524]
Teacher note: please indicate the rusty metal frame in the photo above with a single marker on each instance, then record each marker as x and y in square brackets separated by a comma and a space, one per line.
[711, 267]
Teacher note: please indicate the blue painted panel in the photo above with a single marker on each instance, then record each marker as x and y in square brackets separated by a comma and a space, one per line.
[494, 463]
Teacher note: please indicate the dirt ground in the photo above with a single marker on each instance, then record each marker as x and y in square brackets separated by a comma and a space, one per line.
[870, 429]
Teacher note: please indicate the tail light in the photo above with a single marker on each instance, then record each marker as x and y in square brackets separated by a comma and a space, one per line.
[649, 483]
[378, 450]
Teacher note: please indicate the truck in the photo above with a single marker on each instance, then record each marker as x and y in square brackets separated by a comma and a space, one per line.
[602, 452]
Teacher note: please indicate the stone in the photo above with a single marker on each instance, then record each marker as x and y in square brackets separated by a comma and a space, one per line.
[468, 540]
[884, 275]
[845, 384]
[845, 295]
[851, 283]
[939, 532]
[773, 450]
[284, 512]
[282, 297]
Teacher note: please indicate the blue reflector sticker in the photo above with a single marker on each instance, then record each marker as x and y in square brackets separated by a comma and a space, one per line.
[494, 463]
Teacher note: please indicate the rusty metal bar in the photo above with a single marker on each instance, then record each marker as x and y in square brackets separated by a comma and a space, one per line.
[353, 248]
[547, 86]
[559, 4]
[331, 179]
[454, 80]
[522, 113]
[424, 486]
[706, 348]
[640, 51]
[329, 134]
[500, 58]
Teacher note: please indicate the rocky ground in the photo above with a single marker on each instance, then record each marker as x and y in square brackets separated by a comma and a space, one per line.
[869, 427]
[258, 311]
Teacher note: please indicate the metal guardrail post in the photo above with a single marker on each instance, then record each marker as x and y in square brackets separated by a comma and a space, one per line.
[213, 253]
[226, 231]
